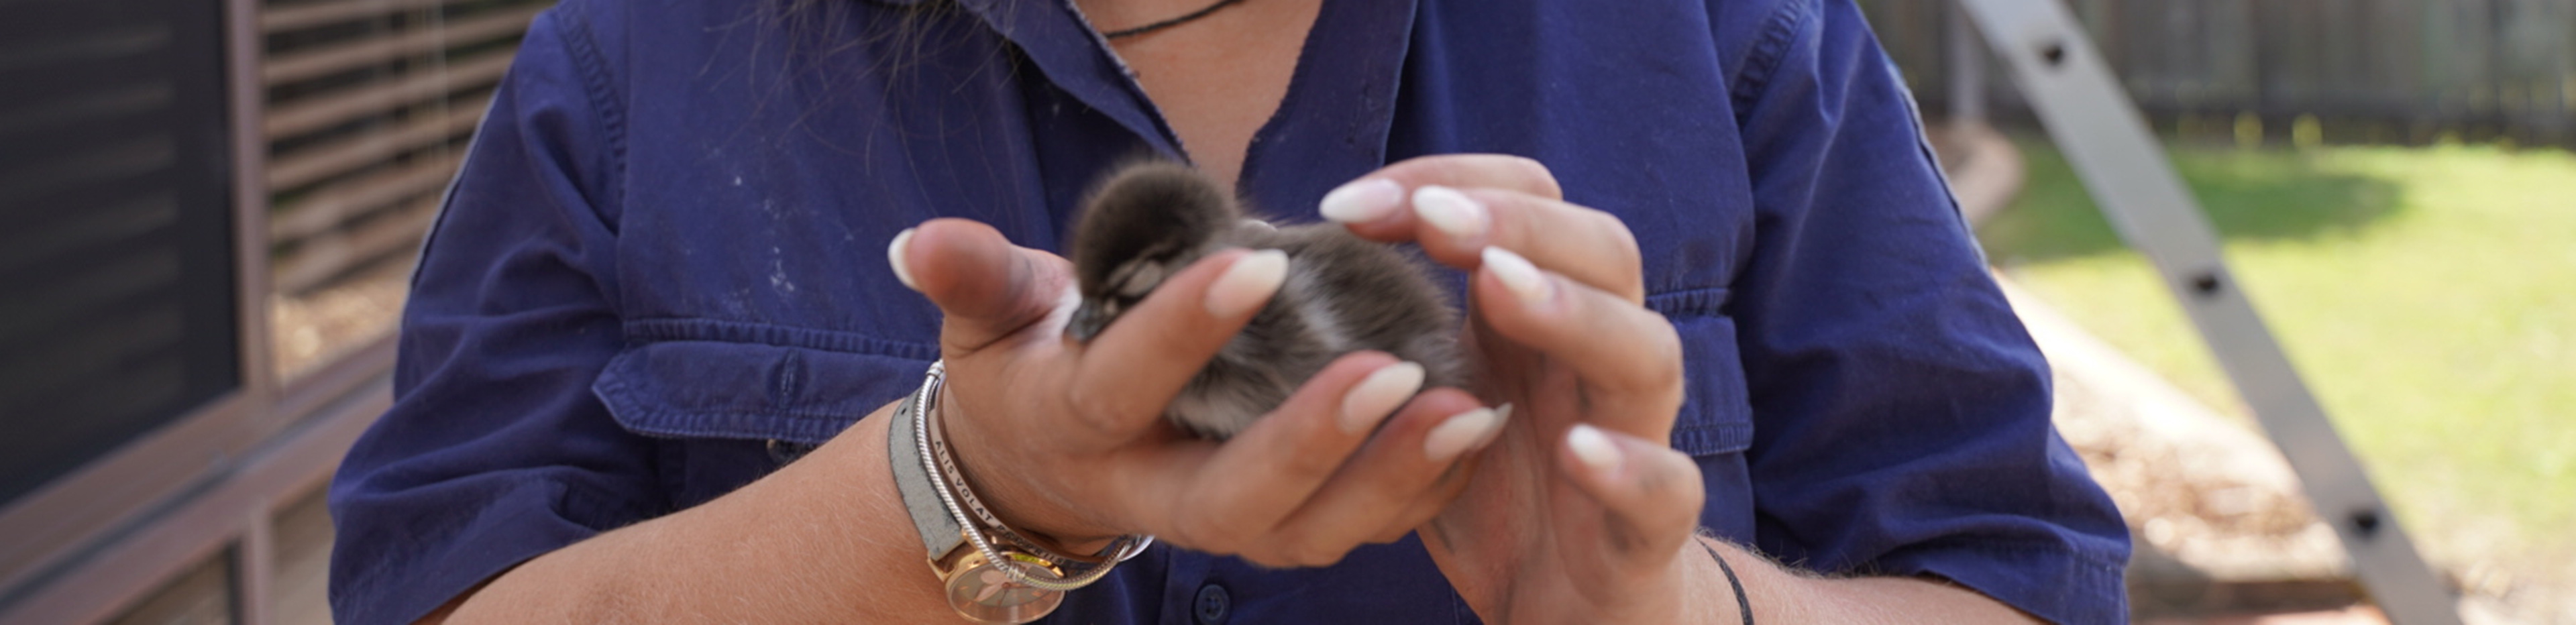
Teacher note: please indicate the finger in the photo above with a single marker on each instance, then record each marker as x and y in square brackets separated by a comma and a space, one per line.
[1128, 373]
[1590, 246]
[985, 287]
[1628, 358]
[1369, 204]
[1254, 480]
[1389, 481]
[1651, 493]
[1455, 224]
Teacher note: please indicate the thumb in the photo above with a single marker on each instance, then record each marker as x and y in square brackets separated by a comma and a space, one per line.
[987, 288]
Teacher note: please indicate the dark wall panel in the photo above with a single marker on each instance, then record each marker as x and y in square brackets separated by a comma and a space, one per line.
[117, 296]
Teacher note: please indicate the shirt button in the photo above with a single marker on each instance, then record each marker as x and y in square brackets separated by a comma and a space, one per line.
[1212, 605]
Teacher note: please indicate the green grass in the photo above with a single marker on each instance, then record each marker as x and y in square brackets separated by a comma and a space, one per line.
[2428, 295]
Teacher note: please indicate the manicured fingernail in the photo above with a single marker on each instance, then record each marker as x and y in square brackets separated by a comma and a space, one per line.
[1363, 200]
[894, 256]
[1455, 214]
[1461, 432]
[1595, 449]
[1518, 275]
[1248, 284]
[1502, 417]
[1377, 396]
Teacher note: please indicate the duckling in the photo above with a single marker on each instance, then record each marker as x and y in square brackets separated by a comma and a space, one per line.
[1148, 220]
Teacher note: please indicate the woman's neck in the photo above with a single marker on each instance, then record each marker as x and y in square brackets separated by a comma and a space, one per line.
[1217, 79]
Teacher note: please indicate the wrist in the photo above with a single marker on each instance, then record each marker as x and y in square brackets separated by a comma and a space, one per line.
[1734, 579]
[1011, 489]
[1714, 595]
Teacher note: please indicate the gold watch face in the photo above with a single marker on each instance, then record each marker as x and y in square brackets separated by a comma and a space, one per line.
[982, 592]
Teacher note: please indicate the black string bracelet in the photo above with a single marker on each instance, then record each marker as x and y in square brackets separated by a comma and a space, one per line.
[1193, 16]
[1743, 605]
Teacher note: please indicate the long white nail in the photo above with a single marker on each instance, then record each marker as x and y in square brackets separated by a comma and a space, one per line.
[1248, 284]
[1453, 213]
[1462, 431]
[1502, 417]
[1363, 200]
[1595, 449]
[1377, 396]
[1518, 275]
[894, 256]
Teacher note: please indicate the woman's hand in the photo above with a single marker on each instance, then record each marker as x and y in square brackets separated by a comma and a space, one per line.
[1581, 510]
[1065, 440]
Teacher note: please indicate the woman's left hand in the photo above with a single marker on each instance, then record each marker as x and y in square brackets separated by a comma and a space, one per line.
[1581, 511]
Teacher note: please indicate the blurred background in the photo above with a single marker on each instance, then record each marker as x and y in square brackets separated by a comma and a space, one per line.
[2393, 187]
[217, 204]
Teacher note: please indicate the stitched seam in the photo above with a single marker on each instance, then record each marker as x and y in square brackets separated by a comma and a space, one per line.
[1780, 31]
[1711, 438]
[602, 93]
[2093, 562]
[643, 415]
[1702, 301]
[2098, 562]
[650, 407]
[640, 331]
[2085, 567]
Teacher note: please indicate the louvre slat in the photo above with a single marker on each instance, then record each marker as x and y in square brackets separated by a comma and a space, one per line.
[88, 293]
[82, 230]
[121, 100]
[377, 51]
[337, 202]
[357, 158]
[114, 163]
[308, 165]
[323, 257]
[327, 111]
[283, 19]
[116, 187]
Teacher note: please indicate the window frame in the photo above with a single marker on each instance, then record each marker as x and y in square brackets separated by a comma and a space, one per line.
[93, 542]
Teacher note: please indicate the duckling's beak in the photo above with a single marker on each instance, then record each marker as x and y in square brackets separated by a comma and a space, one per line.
[1089, 319]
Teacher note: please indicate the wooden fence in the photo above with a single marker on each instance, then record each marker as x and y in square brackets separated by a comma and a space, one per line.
[2370, 70]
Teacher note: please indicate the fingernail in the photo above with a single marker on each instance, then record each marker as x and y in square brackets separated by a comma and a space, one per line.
[1363, 200]
[1454, 213]
[1518, 275]
[1502, 417]
[1248, 284]
[1461, 432]
[1595, 449]
[894, 256]
[1377, 396]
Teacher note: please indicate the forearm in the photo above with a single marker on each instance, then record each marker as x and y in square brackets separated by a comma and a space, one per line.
[1781, 596]
[824, 539]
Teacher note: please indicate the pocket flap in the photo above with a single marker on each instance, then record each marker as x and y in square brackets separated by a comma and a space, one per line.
[724, 389]
[1717, 413]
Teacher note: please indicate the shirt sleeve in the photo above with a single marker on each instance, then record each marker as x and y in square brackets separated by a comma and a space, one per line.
[495, 450]
[1901, 410]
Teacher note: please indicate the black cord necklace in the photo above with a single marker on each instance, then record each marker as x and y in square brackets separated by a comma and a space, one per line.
[1191, 17]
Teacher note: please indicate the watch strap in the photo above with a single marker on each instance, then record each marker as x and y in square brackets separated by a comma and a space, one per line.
[940, 533]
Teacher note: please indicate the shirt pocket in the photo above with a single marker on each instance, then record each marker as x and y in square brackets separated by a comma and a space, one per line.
[1717, 413]
[709, 379]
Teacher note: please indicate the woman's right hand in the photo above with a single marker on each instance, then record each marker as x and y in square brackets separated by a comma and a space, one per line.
[1066, 440]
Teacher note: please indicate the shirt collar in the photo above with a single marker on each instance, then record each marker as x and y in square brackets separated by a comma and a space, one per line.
[1072, 55]
[1334, 122]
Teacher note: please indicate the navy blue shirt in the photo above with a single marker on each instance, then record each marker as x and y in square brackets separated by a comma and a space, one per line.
[663, 263]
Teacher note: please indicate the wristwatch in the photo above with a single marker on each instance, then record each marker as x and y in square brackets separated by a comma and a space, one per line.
[990, 573]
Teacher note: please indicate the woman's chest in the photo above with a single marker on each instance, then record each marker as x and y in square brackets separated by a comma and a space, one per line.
[751, 267]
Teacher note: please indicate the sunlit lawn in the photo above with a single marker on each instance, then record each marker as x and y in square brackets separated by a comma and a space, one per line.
[2427, 294]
